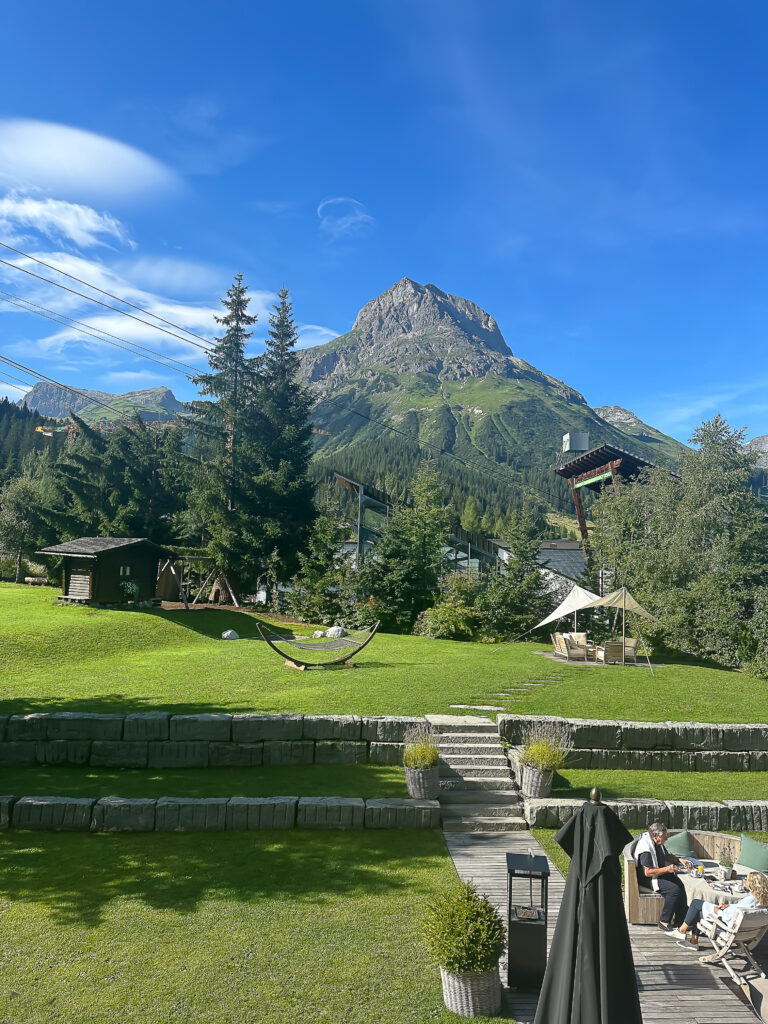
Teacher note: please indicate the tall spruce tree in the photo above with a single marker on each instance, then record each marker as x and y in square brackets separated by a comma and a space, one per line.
[287, 509]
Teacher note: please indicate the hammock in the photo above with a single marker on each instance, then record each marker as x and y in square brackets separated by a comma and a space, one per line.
[345, 643]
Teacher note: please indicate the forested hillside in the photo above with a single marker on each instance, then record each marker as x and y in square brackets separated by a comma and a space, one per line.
[18, 438]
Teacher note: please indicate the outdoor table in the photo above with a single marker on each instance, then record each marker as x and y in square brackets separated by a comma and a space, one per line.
[700, 888]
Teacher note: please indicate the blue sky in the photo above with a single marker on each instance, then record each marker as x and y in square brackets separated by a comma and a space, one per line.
[592, 174]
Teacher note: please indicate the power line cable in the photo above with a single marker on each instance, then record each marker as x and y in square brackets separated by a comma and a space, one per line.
[72, 277]
[90, 298]
[15, 387]
[118, 342]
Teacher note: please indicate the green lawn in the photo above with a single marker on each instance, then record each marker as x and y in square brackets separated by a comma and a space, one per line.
[70, 658]
[273, 927]
[365, 780]
[663, 785]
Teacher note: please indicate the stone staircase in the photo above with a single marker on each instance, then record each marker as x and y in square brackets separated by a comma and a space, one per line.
[477, 793]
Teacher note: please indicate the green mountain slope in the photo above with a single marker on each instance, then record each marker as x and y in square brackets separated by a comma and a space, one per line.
[436, 367]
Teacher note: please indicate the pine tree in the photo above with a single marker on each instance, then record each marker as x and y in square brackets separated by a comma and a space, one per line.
[322, 588]
[471, 517]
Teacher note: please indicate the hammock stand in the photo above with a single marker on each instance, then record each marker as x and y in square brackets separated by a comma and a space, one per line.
[352, 647]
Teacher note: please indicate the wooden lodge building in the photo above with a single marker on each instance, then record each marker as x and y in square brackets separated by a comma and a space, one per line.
[95, 568]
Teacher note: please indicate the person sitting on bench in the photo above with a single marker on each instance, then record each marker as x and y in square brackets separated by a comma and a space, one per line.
[655, 865]
[756, 898]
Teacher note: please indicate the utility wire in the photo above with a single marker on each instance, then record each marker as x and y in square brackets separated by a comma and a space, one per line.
[15, 387]
[90, 298]
[118, 342]
[103, 292]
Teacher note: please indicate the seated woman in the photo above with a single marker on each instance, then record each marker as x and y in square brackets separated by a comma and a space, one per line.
[657, 867]
[756, 898]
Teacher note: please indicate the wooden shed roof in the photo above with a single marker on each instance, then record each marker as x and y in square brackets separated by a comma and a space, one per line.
[601, 456]
[92, 547]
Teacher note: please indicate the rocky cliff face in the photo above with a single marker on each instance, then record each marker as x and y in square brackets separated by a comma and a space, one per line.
[759, 445]
[48, 400]
[622, 418]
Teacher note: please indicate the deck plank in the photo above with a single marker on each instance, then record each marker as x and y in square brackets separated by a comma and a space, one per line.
[674, 987]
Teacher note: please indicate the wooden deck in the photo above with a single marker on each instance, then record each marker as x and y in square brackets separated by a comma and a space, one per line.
[674, 987]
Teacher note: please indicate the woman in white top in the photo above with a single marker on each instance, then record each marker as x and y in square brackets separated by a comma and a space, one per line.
[754, 900]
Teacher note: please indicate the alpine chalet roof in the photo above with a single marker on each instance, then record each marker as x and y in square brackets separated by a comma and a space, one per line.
[92, 547]
[600, 456]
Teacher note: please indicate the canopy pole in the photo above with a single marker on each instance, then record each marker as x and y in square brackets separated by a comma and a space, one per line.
[623, 625]
[645, 648]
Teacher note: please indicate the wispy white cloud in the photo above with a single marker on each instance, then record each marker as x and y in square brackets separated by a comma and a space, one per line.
[135, 379]
[314, 334]
[58, 220]
[74, 163]
[343, 217]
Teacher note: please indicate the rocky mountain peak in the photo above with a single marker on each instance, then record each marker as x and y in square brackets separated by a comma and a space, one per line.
[409, 308]
[618, 417]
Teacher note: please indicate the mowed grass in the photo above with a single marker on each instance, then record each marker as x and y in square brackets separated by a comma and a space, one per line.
[226, 928]
[364, 780]
[55, 657]
[683, 785]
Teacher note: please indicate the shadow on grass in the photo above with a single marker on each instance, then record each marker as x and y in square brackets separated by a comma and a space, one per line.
[212, 622]
[123, 704]
[562, 789]
[77, 876]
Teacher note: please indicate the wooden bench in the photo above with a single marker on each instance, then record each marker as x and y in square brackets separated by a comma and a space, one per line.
[643, 906]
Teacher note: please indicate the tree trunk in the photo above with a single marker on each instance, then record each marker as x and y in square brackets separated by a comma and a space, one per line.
[18, 566]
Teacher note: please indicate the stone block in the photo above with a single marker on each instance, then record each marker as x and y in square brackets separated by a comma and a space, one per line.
[123, 814]
[83, 725]
[758, 760]
[748, 815]
[177, 755]
[53, 813]
[119, 754]
[340, 752]
[402, 813]
[191, 814]
[289, 752]
[266, 812]
[638, 812]
[744, 737]
[388, 729]
[332, 727]
[645, 736]
[19, 752]
[235, 755]
[6, 807]
[330, 812]
[720, 761]
[695, 736]
[588, 734]
[208, 728]
[63, 752]
[512, 728]
[709, 816]
[548, 813]
[385, 753]
[26, 727]
[249, 728]
[3, 726]
[147, 725]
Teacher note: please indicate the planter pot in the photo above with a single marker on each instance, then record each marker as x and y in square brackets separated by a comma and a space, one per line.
[536, 783]
[423, 783]
[472, 993]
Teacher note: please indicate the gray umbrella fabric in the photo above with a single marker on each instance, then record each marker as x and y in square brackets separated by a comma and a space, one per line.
[590, 976]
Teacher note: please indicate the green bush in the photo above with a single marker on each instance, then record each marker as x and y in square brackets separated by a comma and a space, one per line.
[546, 745]
[462, 931]
[453, 616]
[421, 750]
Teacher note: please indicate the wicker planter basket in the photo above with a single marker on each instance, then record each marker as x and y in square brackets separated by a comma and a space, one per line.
[472, 993]
[423, 783]
[536, 783]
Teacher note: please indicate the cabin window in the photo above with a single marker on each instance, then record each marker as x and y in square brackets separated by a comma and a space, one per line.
[125, 570]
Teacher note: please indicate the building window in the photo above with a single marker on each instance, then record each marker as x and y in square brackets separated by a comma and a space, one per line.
[125, 570]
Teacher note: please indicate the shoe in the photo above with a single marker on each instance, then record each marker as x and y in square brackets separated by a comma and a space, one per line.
[680, 936]
[666, 928]
[690, 946]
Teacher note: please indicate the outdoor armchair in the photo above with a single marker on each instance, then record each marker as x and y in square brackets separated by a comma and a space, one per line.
[735, 939]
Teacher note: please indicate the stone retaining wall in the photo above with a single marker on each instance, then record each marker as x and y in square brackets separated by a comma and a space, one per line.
[729, 816]
[158, 739]
[213, 814]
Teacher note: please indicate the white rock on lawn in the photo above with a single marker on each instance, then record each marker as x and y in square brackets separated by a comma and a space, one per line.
[335, 632]
[229, 634]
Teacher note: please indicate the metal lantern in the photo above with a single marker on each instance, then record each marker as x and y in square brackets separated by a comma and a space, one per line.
[527, 903]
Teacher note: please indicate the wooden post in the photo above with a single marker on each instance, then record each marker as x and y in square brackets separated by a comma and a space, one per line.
[582, 519]
[623, 624]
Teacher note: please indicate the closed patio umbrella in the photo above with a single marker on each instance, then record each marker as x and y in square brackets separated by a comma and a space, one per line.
[590, 976]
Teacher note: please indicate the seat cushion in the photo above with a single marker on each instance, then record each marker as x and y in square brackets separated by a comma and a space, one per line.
[680, 844]
[753, 855]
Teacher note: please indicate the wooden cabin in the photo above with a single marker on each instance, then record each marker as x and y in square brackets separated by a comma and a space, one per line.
[95, 568]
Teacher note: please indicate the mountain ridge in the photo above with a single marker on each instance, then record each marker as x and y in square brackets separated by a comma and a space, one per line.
[158, 403]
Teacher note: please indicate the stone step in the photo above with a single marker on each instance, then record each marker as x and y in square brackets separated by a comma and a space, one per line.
[484, 825]
[473, 771]
[479, 796]
[479, 811]
[459, 784]
[462, 723]
[462, 757]
[453, 750]
[469, 737]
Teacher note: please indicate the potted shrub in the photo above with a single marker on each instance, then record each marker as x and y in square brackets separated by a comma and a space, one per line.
[420, 757]
[545, 747]
[464, 935]
[726, 867]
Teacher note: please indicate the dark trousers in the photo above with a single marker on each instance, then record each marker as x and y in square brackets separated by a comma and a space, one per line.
[675, 900]
[693, 916]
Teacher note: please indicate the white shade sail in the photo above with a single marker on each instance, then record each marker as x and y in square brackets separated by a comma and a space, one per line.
[620, 598]
[577, 599]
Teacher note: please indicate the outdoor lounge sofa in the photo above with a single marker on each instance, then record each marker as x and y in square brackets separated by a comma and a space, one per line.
[610, 651]
[643, 906]
[564, 647]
